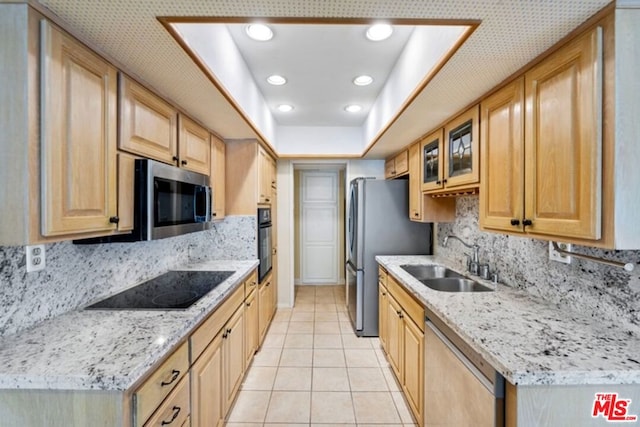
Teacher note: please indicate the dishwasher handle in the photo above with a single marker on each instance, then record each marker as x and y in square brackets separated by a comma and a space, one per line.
[465, 361]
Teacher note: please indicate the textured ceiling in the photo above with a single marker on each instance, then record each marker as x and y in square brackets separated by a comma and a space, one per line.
[512, 33]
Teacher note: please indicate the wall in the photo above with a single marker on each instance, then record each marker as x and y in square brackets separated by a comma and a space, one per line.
[593, 289]
[76, 275]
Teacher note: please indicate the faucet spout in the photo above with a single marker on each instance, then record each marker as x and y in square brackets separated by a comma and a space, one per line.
[475, 258]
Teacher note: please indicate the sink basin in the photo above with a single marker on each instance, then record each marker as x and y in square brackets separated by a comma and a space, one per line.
[422, 272]
[455, 284]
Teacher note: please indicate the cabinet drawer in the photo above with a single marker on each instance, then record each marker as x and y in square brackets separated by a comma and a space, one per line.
[409, 305]
[175, 410]
[159, 385]
[208, 330]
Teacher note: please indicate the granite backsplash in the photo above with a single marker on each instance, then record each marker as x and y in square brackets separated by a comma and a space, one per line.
[597, 290]
[76, 275]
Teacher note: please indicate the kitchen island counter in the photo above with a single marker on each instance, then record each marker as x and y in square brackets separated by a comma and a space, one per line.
[107, 349]
[528, 340]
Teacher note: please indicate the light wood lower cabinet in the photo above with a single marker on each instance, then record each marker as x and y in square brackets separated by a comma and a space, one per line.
[266, 306]
[175, 409]
[233, 356]
[402, 337]
[251, 325]
[207, 387]
[382, 307]
[160, 384]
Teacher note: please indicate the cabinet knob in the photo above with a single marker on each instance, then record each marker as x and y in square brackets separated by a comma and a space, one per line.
[268, 200]
[438, 182]
[444, 181]
[114, 220]
[184, 163]
[175, 158]
[515, 222]
[527, 222]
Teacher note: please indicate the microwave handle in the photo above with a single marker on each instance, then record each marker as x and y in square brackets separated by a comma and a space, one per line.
[207, 196]
[209, 204]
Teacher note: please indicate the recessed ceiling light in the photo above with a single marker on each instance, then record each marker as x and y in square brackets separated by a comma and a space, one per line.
[363, 80]
[259, 32]
[276, 80]
[379, 32]
[353, 108]
[285, 108]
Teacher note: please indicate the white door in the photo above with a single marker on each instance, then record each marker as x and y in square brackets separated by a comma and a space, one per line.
[319, 227]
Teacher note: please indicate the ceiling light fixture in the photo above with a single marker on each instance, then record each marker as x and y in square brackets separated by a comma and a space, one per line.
[259, 32]
[276, 80]
[379, 32]
[285, 108]
[353, 108]
[363, 80]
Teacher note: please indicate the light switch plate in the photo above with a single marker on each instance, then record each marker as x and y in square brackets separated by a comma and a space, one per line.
[557, 256]
[35, 258]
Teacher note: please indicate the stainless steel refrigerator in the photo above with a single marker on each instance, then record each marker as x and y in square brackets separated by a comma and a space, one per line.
[377, 224]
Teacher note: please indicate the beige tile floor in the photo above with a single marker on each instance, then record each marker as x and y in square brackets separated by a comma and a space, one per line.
[312, 370]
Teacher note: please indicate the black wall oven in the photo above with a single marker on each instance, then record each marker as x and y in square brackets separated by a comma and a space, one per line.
[264, 242]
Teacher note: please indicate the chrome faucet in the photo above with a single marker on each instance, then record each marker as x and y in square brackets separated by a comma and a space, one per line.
[474, 260]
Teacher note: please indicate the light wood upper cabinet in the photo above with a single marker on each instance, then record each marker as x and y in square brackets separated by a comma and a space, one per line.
[432, 148]
[397, 165]
[79, 112]
[148, 124]
[126, 190]
[542, 170]
[422, 207]
[462, 145]
[563, 125]
[218, 168]
[502, 159]
[194, 146]
[250, 174]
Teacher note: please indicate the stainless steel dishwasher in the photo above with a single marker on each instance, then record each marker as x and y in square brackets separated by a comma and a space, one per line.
[461, 389]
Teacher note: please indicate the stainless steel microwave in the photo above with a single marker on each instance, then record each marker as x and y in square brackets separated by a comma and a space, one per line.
[169, 201]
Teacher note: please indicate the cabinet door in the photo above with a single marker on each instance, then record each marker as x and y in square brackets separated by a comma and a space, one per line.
[389, 168]
[218, 153]
[502, 154]
[462, 157]
[401, 163]
[148, 124]
[433, 161]
[207, 386]
[382, 315]
[233, 356]
[251, 324]
[264, 176]
[395, 336]
[413, 363]
[265, 305]
[563, 140]
[78, 117]
[194, 146]
[126, 187]
[415, 187]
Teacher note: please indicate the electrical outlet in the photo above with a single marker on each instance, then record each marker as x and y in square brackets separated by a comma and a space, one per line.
[35, 258]
[557, 256]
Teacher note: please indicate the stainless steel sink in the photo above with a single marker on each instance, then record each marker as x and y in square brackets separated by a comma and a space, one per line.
[455, 284]
[422, 272]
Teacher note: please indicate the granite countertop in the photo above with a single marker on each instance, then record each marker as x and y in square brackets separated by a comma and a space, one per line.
[107, 350]
[528, 340]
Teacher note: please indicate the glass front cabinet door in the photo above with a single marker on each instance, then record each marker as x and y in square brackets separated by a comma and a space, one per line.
[432, 161]
[462, 157]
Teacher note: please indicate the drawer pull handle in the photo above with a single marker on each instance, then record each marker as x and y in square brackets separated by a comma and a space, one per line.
[527, 223]
[176, 412]
[175, 374]
[515, 221]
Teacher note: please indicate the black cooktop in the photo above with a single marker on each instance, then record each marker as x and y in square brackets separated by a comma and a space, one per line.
[174, 290]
